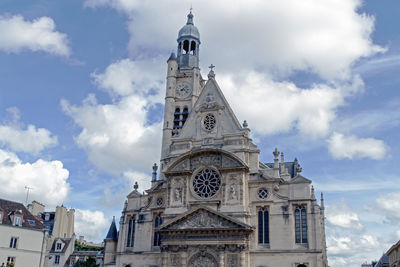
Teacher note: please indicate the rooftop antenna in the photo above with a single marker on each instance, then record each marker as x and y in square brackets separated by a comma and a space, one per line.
[27, 193]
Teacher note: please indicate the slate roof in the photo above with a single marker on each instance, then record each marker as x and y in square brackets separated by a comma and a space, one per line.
[66, 242]
[383, 261]
[28, 221]
[290, 166]
[112, 232]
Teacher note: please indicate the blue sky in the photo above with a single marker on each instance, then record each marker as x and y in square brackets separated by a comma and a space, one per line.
[81, 101]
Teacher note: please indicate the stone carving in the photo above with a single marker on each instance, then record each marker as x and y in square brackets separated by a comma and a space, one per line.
[205, 260]
[178, 194]
[203, 219]
[232, 192]
[232, 260]
[175, 260]
[206, 160]
[217, 160]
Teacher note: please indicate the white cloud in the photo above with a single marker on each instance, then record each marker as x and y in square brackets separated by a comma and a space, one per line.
[90, 224]
[31, 140]
[352, 147]
[283, 106]
[389, 204]
[121, 78]
[48, 179]
[273, 35]
[341, 216]
[17, 34]
[116, 136]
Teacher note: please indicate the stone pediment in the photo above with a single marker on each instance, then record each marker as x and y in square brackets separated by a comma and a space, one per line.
[205, 157]
[203, 218]
[300, 180]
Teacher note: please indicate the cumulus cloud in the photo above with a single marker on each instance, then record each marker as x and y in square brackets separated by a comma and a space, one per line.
[341, 215]
[117, 135]
[352, 147]
[90, 224]
[277, 35]
[18, 34]
[283, 106]
[121, 78]
[48, 179]
[389, 204]
[30, 140]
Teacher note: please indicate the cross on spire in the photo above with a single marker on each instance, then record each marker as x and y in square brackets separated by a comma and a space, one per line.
[211, 67]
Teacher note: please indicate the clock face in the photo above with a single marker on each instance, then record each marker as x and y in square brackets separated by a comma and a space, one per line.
[183, 89]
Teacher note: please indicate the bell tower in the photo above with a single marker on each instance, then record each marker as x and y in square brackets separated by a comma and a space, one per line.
[184, 84]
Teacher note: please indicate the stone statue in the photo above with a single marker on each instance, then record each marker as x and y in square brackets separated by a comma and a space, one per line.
[232, 192]
[178, 194]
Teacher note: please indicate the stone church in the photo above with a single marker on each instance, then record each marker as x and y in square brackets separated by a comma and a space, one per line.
[214, 203]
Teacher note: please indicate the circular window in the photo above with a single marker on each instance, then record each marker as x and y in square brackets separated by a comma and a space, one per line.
[206, 183]
[262, 193]
[159, 201]
[209, 122]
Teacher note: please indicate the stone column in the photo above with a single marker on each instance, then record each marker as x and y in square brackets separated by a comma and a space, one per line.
[242, 256]
[221, 250]
[164, 250]
[184, 254]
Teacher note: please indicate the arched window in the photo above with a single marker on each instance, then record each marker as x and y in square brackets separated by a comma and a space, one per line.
[130, 240]
[186, 47]
[263, 226]
[157, 238]
[300, 224]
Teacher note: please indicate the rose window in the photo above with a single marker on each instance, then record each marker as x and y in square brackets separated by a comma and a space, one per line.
[206, 183]
[209, 122]
[262, 193]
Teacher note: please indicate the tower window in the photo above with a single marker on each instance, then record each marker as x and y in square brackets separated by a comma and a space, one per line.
[157, 238]
[180, 117]
[186, 47]
[130, 241]
[263, 226]
[300, 224]
[193, 48]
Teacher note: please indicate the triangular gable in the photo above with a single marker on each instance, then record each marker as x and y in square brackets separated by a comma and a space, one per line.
[134, 194]
[202, 218]
[210, 100]
[300, 180]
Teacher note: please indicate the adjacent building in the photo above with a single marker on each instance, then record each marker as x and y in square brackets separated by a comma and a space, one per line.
[394, 255]
[60, 224]
[215, 203]
[23, 239]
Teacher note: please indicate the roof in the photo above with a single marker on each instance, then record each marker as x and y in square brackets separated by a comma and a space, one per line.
[112, 232]
[383, 261]
[290, 166]
[28, 220]
[189, 30]
[397, 245]
[66, 242]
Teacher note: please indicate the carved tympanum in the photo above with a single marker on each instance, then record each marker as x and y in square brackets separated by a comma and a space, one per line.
[203, 219]
[205, 260]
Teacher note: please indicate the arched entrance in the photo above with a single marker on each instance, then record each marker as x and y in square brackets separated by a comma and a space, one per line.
[202, 260]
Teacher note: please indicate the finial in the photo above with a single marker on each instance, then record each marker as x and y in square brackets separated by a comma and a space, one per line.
[282, 158]
[136, 186]
[245, 125]
[322, 200]
[211, 74]
[276, 153]
[113, 218]
[154, 176]
[190, 17]
[312, 192]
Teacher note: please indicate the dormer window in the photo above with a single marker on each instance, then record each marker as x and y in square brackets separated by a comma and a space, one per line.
[17, 220]
[58, 246]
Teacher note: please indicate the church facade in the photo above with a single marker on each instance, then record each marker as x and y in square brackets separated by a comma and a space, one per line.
[214, 203]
